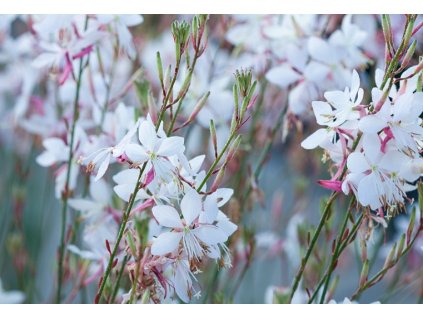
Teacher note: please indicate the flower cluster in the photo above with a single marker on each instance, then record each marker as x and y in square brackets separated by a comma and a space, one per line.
[378, 144]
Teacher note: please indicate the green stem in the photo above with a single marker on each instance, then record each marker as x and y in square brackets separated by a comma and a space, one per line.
[316, 234]
[116, 289]
[341, 249]
[122, 228]
[335, 255]
[65, 195]
[379, 275]
[217, 160]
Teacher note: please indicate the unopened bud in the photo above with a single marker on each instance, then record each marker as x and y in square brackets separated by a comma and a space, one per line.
[233, 149]
[411, 225]
[159, 67]
[387, 30]
[390, 258]
[213, 136]
[409, 55]
[400, 246]
[199, 106]
[364, 273]
[218, 180]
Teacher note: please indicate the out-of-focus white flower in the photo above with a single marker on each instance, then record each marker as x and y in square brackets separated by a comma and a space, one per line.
[11, 297]
[120, 23]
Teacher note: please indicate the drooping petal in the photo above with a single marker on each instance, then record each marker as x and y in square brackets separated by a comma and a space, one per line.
[103, 167]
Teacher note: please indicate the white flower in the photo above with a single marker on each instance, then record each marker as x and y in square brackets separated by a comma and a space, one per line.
[402, 119]
[121, 23]
[103, 156]
[10, 297]
[378, 173]
[155, 149]
[341, 106]
[195, 237]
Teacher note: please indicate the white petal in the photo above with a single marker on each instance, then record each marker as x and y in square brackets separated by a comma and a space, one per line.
[282, 76]
[126, 176]
[321, 111]
[83, 205]
[357, 163]
[136, 153]
[103, 167]
[147, 135]
[191, 206]
[166, 243]
[171, 146]
[355, 84]
[223, 195]
[371, 124]
[371, 146]
[210, 234]
[369, 190]
[315, 139]
[167, 216]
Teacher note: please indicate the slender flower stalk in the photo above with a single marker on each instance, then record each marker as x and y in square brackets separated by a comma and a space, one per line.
[66, 194]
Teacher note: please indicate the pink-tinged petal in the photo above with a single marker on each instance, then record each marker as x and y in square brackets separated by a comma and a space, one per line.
[315, 139]
[167, 216]
[191, 206]
[371, 124]
[66, 72]
[147, 135]
[210, 234]
[334, 185]
[146, 204]
[357, 163]
[150, 177]
[171, 146]
[103, 167]
[136, 153]
[282, 75]
[166, 243]
[322, 111]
